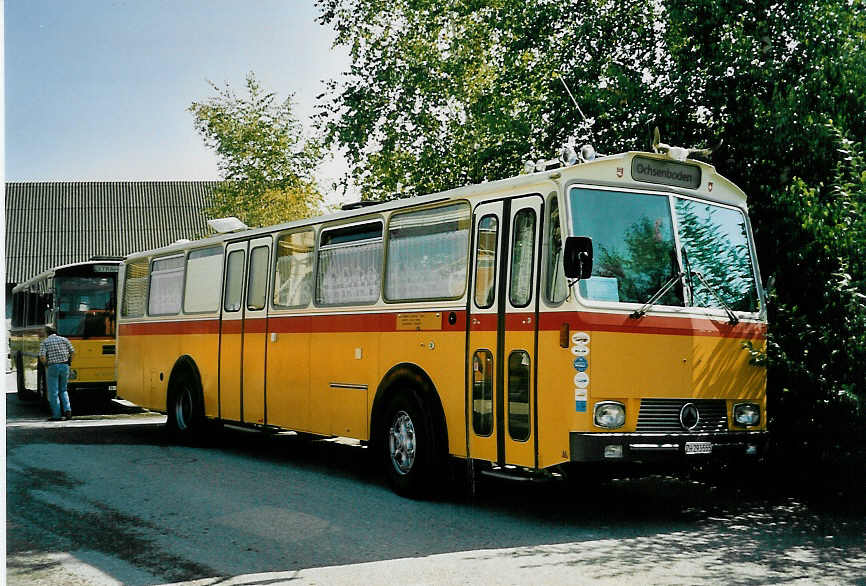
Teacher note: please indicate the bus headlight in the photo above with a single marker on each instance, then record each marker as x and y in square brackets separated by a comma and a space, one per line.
[747, 414]
[609, 414]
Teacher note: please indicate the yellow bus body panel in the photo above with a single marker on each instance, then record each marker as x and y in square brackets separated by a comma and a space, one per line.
[145, 363]
[627, 367]
[288, 380]
[439, 354]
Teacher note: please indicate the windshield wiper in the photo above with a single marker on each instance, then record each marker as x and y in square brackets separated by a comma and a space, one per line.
[732, 319]
[689, 289]
[687, 273]
[658, 295]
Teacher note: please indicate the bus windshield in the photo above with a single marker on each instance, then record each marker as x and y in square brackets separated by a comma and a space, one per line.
[85, 306]
[635, 249]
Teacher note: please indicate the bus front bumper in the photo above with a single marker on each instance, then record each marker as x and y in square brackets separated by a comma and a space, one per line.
[105, 389]
[657, 447]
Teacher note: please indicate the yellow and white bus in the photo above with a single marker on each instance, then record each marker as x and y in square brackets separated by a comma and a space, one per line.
[591, 312]
[79, 301]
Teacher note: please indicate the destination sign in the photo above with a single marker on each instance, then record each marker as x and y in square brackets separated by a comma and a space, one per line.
[665, 172]
[106, 268]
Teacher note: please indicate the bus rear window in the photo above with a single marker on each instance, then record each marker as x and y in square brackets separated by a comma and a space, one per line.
[135, 289]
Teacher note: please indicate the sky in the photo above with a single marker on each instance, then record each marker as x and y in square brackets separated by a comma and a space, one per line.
[100, 89]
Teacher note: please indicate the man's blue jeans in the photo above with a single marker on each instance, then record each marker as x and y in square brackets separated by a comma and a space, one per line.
[56, 376]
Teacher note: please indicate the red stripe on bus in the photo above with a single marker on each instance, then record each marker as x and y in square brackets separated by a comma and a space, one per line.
[671, 326]
[298, 324]
[232, 326]
[520, 322]
[484, 322]
[256, 326]
[169, 328]
[387, 322]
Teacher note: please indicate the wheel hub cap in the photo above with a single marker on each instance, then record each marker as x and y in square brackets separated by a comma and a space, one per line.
[402, 443]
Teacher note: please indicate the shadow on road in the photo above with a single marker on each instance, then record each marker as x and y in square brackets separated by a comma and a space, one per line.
[337, 487]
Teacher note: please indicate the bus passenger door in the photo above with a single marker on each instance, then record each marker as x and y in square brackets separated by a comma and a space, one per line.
[503, 325]
[231, 333]
[483, 322]
[518, 418]
[255, 332]
[243, 331]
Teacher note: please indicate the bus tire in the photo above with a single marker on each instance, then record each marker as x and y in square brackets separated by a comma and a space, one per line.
[184, 406]
[409, 447]
[23, 393]
[42, 389]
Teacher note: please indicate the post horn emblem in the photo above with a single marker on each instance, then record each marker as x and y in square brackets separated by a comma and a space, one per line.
[689, 416]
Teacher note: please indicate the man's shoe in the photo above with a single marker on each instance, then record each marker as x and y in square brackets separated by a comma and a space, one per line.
[67, 415]
[55, 419]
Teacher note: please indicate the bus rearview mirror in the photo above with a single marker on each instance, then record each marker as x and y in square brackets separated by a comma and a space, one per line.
[577, 259]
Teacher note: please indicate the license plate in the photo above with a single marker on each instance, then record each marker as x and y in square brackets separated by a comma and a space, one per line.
[699, 448]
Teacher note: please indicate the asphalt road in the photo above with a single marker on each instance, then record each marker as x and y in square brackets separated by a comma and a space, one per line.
[107, 498]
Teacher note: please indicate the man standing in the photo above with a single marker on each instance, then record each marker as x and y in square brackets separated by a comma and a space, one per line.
[55, 353]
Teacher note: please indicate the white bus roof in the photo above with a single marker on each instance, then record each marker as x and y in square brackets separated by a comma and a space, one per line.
[609, 170]
[50, 272]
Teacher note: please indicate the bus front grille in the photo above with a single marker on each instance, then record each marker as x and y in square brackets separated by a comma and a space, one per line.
[663, 415]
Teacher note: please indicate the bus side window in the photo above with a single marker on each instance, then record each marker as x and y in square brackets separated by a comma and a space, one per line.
[166, 286]
[350, 265]
[293, 277]
[522, 255]
[257, 280]
[234, 281]
[485, 262]
[16, 310]
[204, 268]
[556, 286]
[427, 254]
[482, 393]
[519, 373]
[33, 317]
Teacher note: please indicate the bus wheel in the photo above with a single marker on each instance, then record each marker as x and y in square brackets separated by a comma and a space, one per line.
[408, 447]
[23, 393]
[184, 407]
[42, 389]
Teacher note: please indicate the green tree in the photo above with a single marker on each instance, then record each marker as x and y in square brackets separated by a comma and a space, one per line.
[818, 347]
[446, 92]
[268, 168]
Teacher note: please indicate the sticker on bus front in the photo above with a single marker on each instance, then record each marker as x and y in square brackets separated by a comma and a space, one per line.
[580, 400]
[580, 338]
[581, 380]
[581, 363]
[580, 350]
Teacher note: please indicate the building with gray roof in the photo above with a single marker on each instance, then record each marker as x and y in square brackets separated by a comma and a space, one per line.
[56, 223]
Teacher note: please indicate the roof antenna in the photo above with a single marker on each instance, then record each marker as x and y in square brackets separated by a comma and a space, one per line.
[587, 152]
